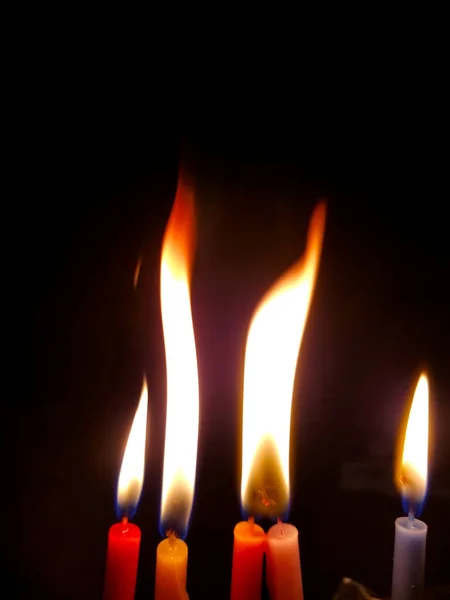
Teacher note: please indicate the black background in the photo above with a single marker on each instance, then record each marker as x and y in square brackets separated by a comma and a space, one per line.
[103, 167]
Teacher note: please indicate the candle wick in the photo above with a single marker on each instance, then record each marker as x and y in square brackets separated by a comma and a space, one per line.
[124, 524]
[280, 523]
[411, 517]
[172, 537]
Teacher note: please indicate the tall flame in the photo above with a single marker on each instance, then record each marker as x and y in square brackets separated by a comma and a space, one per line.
[180, 453]
[412, 471]
[273, 345]
[132, 471]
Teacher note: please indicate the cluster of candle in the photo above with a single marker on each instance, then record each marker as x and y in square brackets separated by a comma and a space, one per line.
[272, 349]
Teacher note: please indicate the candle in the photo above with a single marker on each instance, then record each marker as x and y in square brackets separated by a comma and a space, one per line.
[273, 345]
[122, 561]
[411, 478]
[284, 577]
[180, 451]
[248, 555]
[171, 569]
[124, 537]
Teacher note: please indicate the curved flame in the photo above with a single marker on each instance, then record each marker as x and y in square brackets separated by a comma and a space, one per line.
[412, 474]
[180, 453]
[132, 471]
[273, 345]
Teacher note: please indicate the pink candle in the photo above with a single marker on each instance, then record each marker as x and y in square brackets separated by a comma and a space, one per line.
[284, 576]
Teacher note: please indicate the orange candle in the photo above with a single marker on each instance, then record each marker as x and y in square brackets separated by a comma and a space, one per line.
[180, 449]
[248, 554]
[171, 569]
[284, 573]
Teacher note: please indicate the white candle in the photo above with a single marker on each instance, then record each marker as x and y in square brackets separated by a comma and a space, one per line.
[284, 575]
[409, 559]
[410, 533]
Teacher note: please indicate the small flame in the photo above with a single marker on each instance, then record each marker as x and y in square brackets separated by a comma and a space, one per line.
[412, 471]
[132, 471]
[180, 453]
[273, 345]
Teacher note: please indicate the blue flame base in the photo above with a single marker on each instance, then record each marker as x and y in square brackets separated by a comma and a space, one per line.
[175, 524]
[265, 519]
[412, 506]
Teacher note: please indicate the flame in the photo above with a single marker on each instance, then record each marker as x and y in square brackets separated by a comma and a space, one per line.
[412, 472]
[273, 345]
[180, 453]
[132, 471]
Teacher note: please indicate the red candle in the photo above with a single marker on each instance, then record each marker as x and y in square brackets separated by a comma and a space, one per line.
[124, 538]
[122, 561]
[248, 554]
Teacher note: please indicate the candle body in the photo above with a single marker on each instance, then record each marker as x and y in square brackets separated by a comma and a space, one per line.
[409, 559]
[284, 575]
[171, 569]
[248, 553]
[122, 561]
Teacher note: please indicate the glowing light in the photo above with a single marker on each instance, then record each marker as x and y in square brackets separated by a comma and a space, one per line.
[180, 453]
[132, 471]
[273, 345]
[412, 474]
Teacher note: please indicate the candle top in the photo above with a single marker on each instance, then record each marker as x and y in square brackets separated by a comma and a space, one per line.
[415, 526]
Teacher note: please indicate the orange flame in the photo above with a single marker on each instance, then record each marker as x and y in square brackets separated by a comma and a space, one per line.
[412, 469]
[132, 471]
[273, 345]
[180, 453]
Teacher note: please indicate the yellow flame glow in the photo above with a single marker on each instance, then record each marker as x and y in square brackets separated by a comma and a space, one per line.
[180, 453]
[413, 475]
[132, 471]
[273, 345]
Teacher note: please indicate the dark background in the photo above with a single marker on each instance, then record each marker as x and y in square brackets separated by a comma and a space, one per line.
[104, 185]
